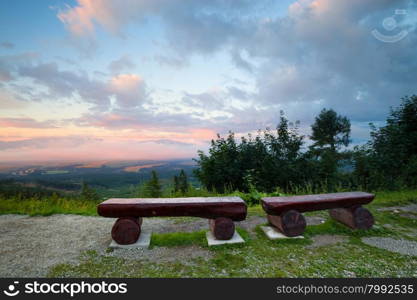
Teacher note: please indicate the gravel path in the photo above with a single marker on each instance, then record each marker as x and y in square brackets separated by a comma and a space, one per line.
[399, 246]
[326, 240]
[407, 208]
[31, 245]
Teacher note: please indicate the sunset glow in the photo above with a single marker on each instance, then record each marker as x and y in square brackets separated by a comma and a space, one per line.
[97, 80]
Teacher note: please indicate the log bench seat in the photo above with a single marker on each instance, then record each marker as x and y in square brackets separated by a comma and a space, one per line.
[221, 212]
[284, 213]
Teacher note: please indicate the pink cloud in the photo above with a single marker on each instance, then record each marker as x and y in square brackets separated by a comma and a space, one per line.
[82, 148]
[81, 19]
[130, 89]
[25, 123]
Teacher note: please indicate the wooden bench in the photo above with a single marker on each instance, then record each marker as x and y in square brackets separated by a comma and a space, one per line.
[284, 213]
[221, 212]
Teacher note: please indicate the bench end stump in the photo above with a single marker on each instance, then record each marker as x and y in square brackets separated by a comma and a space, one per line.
[356, 217]
[291, 223]
[222, 228]
[126, 230]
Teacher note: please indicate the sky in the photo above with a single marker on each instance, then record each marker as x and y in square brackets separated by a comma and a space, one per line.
[158, 79]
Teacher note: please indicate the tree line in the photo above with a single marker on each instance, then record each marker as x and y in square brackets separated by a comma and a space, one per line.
[280, 159]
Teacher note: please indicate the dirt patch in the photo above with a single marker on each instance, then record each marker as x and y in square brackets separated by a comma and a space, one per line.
[404, 247]
[183, 255]
[173, 225]
[31, 245]
[411, 208]
[314, 220]
[409, 216]
[326, 240]
[251, 222]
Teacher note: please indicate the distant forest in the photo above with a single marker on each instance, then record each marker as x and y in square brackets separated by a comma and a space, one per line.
[275, 160]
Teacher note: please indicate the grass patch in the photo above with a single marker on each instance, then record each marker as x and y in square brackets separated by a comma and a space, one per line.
[393, 198]
[48, 206]
[179, 239]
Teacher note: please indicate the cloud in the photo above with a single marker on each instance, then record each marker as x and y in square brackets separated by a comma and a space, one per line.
[171, 60]
[79, 20]
[211, 100]
[8, 101]
[320, 54]
[124, 63]
[9, 64]
[166, 142]
[46, 142]
[7, 45]
[82, 18]
[130, 89]
[25, 123]
[84, 148]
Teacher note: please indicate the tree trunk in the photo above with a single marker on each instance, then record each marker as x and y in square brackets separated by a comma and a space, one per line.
[356, 217]
[222, 228]
[126, 230]
[291, 223]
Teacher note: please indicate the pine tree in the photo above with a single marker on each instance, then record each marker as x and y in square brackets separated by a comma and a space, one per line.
[330, 132]
[183, 182]
[88, 193]
[153, 187]
[176, 184]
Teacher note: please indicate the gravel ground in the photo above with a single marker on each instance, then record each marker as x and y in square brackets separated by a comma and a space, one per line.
[31, 245]
[399, 246]
[407, 208]
[314, 220]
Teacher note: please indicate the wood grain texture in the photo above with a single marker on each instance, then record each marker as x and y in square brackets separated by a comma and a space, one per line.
[210, 208]
[126, 230]
[277, 205]
[291, 223]
[356, 217]
[222, 228]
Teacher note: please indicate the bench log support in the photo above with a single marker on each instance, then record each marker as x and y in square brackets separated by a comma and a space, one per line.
[222, 228]
[126, 230]
[291, 223]
[356, 217]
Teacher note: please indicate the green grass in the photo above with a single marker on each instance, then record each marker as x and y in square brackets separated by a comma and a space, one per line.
[48, 206]
[258, 256]
[178, 239]
[392, 198]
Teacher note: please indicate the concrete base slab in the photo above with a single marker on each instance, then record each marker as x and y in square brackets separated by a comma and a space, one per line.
[212, 241]
[274, 234]
[143, 241]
